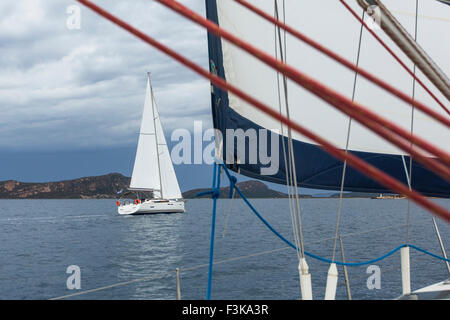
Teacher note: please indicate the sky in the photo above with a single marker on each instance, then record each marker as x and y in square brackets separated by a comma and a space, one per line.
[67, 88]
[71, 99]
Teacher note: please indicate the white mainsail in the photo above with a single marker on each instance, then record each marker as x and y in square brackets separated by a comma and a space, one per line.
[153, 168]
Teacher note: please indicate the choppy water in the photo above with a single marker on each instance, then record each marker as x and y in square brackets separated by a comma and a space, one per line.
[39, 239]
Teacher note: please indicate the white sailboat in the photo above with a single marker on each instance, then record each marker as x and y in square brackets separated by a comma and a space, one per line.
[153, 181]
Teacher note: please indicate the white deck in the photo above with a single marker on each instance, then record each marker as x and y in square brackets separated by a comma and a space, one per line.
[437, 291]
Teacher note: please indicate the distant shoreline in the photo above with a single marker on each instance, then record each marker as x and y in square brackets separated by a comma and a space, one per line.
[108, 186]
[206, 198]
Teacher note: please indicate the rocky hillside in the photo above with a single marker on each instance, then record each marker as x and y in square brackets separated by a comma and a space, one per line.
[251, 189]
[106, 187]
[83, 188]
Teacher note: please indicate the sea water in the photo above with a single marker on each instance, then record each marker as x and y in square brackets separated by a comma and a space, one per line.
[42, 242]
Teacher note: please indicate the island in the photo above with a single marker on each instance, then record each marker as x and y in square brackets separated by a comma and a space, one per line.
[108, 186]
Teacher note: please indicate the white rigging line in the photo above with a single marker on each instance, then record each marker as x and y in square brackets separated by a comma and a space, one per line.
[118, 284]
[293, 171]
[409, 176]
[344, 168]
[304, 275]
[421, 16]
[287, 161]
[55, 218]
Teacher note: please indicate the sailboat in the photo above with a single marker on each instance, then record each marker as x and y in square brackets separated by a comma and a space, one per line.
[153, 182]
[273, 89]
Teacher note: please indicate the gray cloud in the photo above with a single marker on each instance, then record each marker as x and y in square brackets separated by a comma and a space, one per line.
[68, 89]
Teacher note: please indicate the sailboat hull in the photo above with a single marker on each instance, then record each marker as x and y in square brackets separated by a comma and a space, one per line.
[151, 207]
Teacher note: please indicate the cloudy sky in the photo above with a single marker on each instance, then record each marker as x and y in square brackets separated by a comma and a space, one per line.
[63, 88]
[68, 93]
[71, 99]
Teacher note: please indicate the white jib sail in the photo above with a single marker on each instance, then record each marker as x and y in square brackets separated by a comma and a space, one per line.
[170, 188]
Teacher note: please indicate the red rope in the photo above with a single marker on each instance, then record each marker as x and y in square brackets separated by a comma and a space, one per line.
[353, 109]
[437, 116]
[394, 55]
[360, 165]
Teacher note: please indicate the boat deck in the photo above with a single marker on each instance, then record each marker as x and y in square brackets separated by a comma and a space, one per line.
[437, 291]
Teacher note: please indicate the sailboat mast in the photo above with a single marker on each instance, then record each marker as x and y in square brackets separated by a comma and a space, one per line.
[156, 136]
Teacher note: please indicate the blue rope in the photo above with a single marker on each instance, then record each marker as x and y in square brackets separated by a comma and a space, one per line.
[350, 264]
[233, 181]
[429, 253]
[356, 264]
[215, 193]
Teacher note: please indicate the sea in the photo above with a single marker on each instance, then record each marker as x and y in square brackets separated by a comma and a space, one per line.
[82, 249]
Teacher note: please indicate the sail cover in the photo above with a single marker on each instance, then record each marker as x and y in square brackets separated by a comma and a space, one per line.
[328, 23]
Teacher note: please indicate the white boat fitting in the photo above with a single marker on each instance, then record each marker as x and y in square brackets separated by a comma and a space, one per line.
[437, 291]
[153, 170]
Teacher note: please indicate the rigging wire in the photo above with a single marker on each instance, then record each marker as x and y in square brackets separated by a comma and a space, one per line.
[291, 163]
[405, 97]
[298, 219]
[287, 166]
[392, 53]
[215, 192]
[369, 119]
[281, 237]
[410, 159]
[412, 125]
[291, 124]
[421, 16]
[316, 45]
[217, 262]
[344, 168]
[312, 86]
